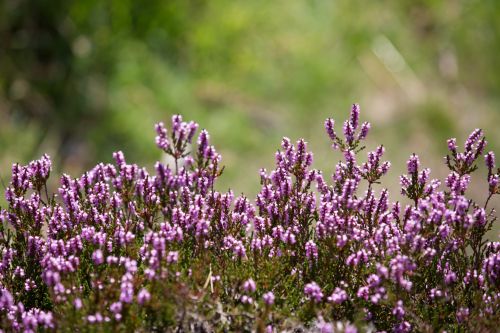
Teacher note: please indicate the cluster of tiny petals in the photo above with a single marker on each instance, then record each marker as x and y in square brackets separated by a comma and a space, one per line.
[464, 162]
[161, 139]
[493, 173]
[268, 298]
[329, 126]
[373, 169]
[350, 127]
[121, 231]
[249, 286]
[313, 292]
[311, 250]
[413, 164]
[338, 296]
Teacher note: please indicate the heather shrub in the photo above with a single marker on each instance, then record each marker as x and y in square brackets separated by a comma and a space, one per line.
[120, 249]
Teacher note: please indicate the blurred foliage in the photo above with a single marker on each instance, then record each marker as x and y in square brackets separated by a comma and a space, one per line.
[80, 79]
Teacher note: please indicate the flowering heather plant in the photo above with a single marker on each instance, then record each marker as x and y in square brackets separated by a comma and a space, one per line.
[120, 249]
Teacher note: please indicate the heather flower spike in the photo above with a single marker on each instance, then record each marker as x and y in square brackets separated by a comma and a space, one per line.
[125, 248]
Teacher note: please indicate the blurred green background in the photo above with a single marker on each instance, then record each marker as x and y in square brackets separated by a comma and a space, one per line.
[81, 79]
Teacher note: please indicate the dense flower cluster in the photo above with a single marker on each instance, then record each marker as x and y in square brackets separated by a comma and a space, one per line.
[120, 249]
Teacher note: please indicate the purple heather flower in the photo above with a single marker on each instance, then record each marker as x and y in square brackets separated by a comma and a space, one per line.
[249, 286]
[116, 307]
[413, 164]
[268, 298]
[6, 299]
[143, 296]
[176, 122]
[403, 327]
[203, 140]
[363, 133]
[490, 162]
[325, 327]
[245, 299]
[350, 329]
[462, 314]
[354, 119]
[126, 288]
[493, 182]
[399, 311]
[338, 296]
[313, 292]
[348, 132]
[192, 127]
[97, 257]
[452, 145]
[329, 127]
[473, 139]
[161, 139]
[172, 257]
[363, 292]
[146, 222]
[311, 250]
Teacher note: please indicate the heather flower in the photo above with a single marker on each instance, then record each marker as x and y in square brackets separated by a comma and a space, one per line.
[413, 164]
[245, 299]
[452, 145]
[462, 314]
[98, 257]
[116, 307]
[6, 299]
[363, 133]
[354, 120]
[127, 289]
[161, 139]
[329, 126]
[172, 257]
[95, 318]
[338, 296]
[350, 329]
[268, 298]
[349, 132]
[490, 161]
[249, 286]
[311, 250]
[324, 327]
[313, 292]
[77, 303]
[403, 327]
[172, 231]
[143, 296]
[399, 310]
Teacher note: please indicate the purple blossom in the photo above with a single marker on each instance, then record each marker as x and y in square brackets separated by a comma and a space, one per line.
[143, 296]
[413, 164]
[161, 139]
[329, 127]
[354, 120]
[399, 310]
[490, 161]
[268, 298]
[98, 257]
[249, 286]
[338, 296]
[313, 292]
[452, 145]
[173, 232]
[311, 250]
